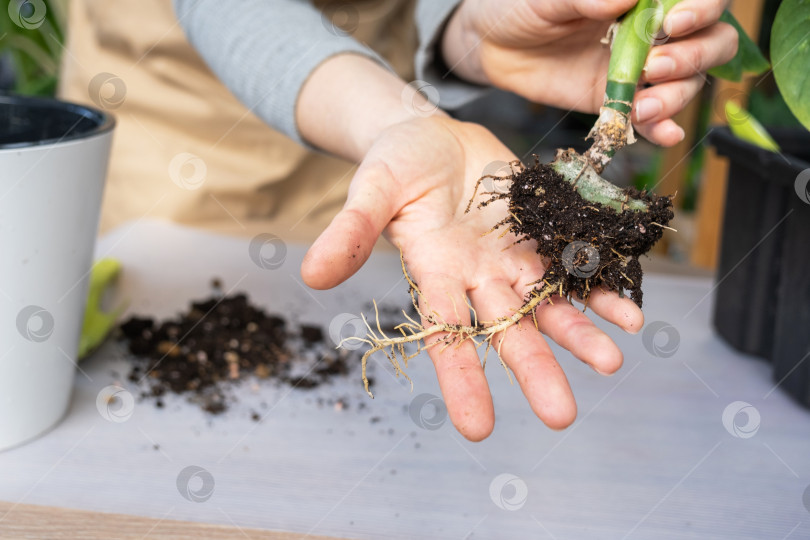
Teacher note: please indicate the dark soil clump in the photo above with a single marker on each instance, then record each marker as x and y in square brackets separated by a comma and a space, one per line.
[586, 245]
[221, 341]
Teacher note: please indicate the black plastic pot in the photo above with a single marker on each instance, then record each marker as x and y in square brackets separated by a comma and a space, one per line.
[762, 297]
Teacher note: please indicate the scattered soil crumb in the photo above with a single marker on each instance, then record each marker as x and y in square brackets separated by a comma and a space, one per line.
[221, 341]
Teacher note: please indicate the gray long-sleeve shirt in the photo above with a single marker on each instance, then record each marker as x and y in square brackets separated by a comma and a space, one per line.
[264, 51]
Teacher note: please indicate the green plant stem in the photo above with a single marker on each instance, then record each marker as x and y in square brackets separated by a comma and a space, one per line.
[632, 41]
[633, 38]
[578, 171]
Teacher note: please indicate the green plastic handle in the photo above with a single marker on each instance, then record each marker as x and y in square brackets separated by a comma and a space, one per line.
[98, 324]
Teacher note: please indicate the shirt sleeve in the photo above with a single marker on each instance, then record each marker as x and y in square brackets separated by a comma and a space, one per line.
[264, 51]
[431, 19]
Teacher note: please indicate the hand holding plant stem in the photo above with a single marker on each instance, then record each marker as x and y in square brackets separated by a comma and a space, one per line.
[632, 42]
[550, 53]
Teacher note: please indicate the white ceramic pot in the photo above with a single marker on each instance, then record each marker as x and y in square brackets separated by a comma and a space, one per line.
[53, 162]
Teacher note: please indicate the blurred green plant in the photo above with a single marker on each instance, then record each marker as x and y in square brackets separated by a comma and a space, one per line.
[765, 100]
[767, 103]
[31, 37]
[790, 54]
[782, 95]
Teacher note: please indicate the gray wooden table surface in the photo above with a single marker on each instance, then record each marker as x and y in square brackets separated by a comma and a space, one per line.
[688, 440]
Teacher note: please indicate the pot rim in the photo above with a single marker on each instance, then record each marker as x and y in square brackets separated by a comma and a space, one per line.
[780, 167]
[104, 122]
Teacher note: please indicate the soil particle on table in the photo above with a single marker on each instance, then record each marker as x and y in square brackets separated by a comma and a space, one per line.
[220, 341]
[312, 335]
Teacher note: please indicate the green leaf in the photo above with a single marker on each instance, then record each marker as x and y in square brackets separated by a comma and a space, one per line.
[744, 126]
[790, 52]
[749, 58]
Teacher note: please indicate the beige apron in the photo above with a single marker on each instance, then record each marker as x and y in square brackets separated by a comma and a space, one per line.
[185, 149]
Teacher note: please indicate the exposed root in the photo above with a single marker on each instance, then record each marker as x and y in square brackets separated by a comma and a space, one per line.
[516, 167]
[413, 332]
[664, 227]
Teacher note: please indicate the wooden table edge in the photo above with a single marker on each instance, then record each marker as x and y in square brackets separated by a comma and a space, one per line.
[37, 521]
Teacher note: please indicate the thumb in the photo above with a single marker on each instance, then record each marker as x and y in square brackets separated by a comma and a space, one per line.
[347, 242]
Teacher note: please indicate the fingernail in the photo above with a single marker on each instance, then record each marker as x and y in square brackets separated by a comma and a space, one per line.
[681, 134]
[647, 109]
[679, 22]
[660, 67]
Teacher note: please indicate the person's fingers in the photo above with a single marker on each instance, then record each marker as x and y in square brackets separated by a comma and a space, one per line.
[691, 15]
[347, 242]
[690, 56]
[571, 329]
[665, 100]
[663, 133]
[527, 354]
[458, 368]
[622, 312]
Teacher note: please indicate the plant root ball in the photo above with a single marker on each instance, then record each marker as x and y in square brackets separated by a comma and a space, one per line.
[587, 245]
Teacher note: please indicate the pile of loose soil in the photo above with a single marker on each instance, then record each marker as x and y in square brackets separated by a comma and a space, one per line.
[587, 245]
[220, 341]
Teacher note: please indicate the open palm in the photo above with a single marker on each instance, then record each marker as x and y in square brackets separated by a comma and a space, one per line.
[414, 185]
